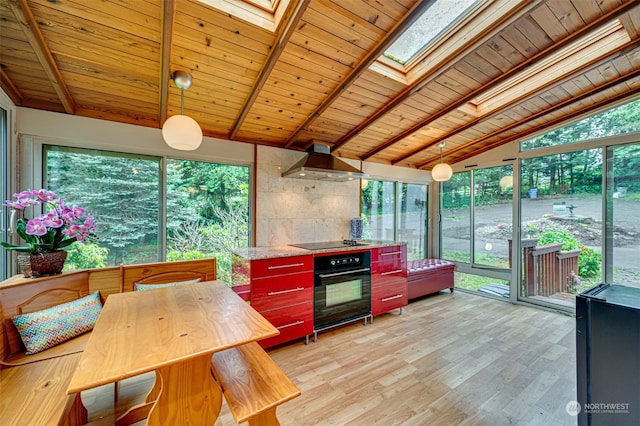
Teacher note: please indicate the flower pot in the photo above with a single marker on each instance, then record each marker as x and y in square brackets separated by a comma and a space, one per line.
[24, 264]
[40, 265]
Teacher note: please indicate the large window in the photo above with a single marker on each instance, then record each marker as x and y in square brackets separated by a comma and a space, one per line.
[396, 211]
[561, 225]
[121, 191]
[455, 195]
[476, 227]
[616, 121]
[623, 205]
[195, 210]
[207, 211]
[413, 219]
[379, 210]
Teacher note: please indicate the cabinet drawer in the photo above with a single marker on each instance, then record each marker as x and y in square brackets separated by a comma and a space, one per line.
[276, 292]
[281, 266]
[381, 254]
[293, 322]
[382, 276]
[388, 297]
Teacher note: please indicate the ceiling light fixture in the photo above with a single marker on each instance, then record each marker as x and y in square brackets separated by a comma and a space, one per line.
[441, 171]
[179, 131]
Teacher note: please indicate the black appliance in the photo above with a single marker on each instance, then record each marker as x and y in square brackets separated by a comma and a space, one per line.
[342, 289]
[608, 355]
[330, 245]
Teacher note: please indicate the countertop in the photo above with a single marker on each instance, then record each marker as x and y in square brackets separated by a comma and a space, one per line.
[270, 252]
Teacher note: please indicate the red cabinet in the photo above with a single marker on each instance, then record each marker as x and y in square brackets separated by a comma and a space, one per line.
[388, 278]
[281, 289]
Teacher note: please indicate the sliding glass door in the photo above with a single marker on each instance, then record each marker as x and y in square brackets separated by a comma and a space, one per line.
[477, 215]
[622, 206]
[561, 226]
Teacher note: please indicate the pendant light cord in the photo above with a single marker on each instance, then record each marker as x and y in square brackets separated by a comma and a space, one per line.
[182, 107]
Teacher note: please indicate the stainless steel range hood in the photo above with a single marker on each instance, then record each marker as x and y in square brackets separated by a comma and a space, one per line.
[319, 164]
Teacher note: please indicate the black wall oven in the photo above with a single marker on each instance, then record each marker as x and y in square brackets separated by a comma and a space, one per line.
[342, 289]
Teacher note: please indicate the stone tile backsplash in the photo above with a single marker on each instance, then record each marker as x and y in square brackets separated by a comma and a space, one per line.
[293, 210]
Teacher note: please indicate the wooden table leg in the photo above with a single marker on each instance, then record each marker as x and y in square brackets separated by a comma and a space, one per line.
[188, 395]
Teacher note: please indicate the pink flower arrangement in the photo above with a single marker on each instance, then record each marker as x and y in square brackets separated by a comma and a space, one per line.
[52, 231]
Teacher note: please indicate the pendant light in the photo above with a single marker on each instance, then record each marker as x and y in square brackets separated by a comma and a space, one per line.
[179, 131]
[441, 171]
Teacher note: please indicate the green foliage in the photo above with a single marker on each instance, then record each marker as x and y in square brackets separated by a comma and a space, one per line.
[393, 58]
[589, 263]
[121, 191]
[174, 255]
[616, 121]
[581, 171]
[85, 256]
[589, 260]
[550, 236]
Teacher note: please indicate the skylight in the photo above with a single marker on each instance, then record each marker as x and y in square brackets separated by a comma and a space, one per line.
[426, 28]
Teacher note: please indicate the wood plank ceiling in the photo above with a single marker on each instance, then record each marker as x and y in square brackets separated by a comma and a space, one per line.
[287, 73]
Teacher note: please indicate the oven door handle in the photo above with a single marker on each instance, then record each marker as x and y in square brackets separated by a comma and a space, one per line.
[344, 273]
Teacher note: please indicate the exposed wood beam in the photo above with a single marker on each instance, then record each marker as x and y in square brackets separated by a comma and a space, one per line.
[9, 87]
[572, 100]
[288, 25]
[168, 18]
[540, 56]
[371, 57]
[629, 47]
[32, 32]
[514, 14]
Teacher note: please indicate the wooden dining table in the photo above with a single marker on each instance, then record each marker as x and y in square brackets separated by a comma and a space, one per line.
[173, 331]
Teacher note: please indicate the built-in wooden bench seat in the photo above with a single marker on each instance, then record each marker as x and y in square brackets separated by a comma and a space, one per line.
[252, 383]
[34, 386]
[36, 394]
[426, 276]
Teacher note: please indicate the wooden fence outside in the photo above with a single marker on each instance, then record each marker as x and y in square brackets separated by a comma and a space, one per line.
[546, 269]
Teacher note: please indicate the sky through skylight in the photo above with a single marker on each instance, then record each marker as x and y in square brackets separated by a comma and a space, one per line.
[426, 28]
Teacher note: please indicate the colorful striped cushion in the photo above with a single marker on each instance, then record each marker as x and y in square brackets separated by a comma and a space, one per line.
[43, 329]
[141, 287]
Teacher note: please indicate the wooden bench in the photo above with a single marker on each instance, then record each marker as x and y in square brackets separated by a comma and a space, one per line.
[252, 383]
[34, 386]
[426, 276]
[164, 272]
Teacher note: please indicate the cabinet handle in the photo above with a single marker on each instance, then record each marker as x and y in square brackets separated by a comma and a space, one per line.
[343, 273]
[291, 290]
[391, 272]
[291, 265]
[386, 299]
[391, 253]
[293, 324]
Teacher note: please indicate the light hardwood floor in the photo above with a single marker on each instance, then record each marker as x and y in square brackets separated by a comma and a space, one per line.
[450, 359]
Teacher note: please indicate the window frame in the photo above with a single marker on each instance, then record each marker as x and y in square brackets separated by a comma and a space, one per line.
[32, 160]
[397, 209]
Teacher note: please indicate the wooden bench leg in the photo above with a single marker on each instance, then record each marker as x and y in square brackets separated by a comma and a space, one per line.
[266, 418]
[76, 412]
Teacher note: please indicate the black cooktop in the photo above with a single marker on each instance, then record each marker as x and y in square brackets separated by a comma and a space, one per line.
[330, 244]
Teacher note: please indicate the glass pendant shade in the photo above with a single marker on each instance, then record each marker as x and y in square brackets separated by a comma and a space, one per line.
[179, 131]
[441, 172]
[182, 132]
